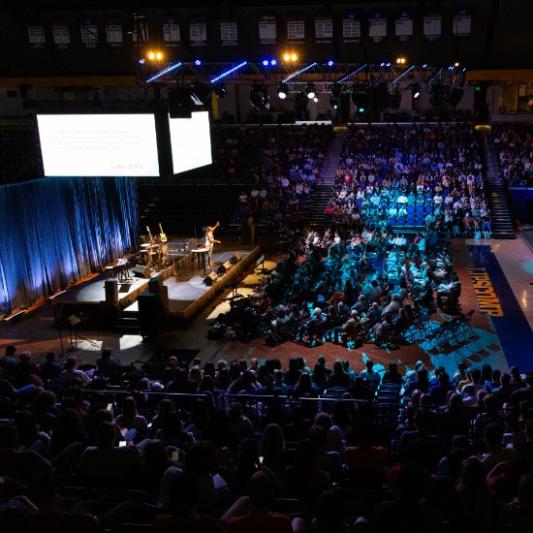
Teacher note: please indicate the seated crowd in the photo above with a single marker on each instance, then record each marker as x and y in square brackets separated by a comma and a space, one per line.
[515, 145]
[412, 176]
[285, 171]
[363, 285]
[111, 448]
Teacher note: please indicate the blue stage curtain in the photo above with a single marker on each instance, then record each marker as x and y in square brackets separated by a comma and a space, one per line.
[53, 231]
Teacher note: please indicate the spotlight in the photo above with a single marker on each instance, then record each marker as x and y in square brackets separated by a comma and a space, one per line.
[388, 64]
[360, 109]
[425, 65]
[283, 91]
[336, 90]
[142, 61]
[259, 99]
[273, 62]
[359, 96]
[155, 55]
[334, 102]
[311, 91]
[416, 95]
[286, 57]
[197, 62]
[457, 64]
[315, 100]
[415, 89]
[382, 64]
[330, 63]
[401, 60]
[294, 57]
[265, 62]
[220, 90]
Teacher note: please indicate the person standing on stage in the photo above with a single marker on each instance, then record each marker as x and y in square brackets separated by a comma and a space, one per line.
[210, 241]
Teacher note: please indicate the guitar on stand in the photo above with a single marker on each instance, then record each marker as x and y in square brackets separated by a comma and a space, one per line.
[162, 235]
[152, 240]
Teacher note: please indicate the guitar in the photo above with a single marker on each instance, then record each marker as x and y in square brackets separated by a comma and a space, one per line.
[150, 234]
[162, 235]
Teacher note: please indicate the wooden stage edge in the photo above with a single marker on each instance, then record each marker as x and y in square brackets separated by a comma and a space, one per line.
[219, 286]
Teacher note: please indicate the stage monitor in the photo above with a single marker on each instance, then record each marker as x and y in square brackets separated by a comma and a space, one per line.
[190, 140]
[98, 145]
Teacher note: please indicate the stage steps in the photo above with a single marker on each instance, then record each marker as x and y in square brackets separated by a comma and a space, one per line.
[315, 210]
[502, 222]
[128, 321]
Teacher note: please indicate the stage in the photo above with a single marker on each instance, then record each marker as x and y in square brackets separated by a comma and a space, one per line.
[185, 285]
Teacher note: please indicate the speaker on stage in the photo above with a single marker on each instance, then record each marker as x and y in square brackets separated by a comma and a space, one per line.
[157, 286]
[151, 314]
[111, 291]
[210, 278]
[235, 258]
[141, 271]
[222, 269]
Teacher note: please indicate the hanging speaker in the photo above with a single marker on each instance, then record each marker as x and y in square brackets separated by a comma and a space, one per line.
[210, 279]
[179, 103]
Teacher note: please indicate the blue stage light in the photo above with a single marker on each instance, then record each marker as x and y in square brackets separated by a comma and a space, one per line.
[197, 62]
[330, 63]
[273, 62]
[163, 72]
[228, 72]
[265, 62]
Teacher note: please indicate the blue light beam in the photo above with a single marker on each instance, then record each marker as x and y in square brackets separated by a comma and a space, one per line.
[228, 72]
[164, 72]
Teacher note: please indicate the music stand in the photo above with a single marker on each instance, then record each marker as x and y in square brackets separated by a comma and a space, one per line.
[75, 337]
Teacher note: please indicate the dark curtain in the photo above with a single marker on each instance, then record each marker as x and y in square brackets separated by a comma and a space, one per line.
[54, 231]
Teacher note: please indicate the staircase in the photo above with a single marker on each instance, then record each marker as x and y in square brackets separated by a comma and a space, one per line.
[502, 222]
[315, 211]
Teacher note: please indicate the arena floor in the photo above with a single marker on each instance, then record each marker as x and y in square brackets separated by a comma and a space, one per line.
[500, 340]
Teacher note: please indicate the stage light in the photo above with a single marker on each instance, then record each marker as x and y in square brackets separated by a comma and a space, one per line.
[334, 102]
[155, 55]
[361, 110]
[311, 91]
[401, 60]
[286, 57]
[164, 72]
[283, 91]
[273, 62]
[265, 62]
[457, 64]
[290, 57]
[315, 100]
[228, 72]
[389, 64]
[142, 61]
[294, 57]
[336, 90]
[382, 64]
[416, 95]
[425, 65]
[220, 90]
[197, 62]
[330, 63]
[259, 99]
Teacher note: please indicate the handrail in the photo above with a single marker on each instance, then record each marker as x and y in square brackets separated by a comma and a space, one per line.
[258, 397]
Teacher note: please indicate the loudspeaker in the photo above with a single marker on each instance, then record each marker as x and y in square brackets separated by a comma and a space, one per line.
[142, 271]
[151, 315]
[235, 258]
[222, 269]
[210, 278]
[111, 291]
[179, 103]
